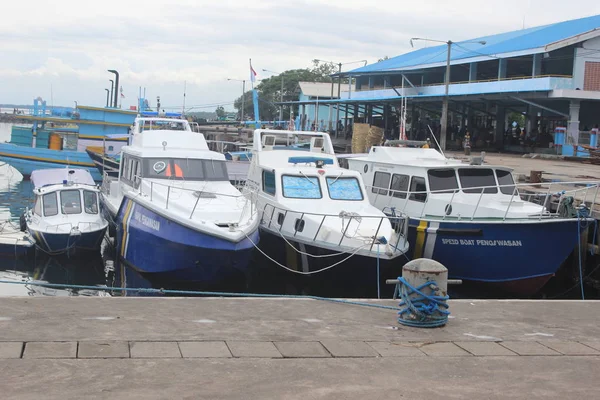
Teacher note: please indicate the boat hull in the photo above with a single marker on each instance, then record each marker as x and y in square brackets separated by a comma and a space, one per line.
[59, 243]
[518, 257]
[104, 164]
[356, 273]
[28, 159]
[152, 244]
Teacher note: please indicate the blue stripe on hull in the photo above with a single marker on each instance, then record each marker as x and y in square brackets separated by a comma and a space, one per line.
[59, 243]
[153, 244]
[499, 252]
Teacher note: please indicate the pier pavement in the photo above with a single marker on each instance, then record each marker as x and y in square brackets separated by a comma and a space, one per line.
[217, 348]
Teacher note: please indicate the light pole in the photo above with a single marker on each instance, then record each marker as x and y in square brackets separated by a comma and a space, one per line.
[337, 117]
[444, 122]
[116, 91]
[112, 84]
[107, 96]
[280, 95]
[243, 96]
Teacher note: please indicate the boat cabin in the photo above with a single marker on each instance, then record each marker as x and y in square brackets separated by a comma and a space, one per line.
[424, 183]
[64, 192]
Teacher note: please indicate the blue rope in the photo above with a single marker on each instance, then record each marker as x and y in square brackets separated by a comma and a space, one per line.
[422, 310]
[198, 293]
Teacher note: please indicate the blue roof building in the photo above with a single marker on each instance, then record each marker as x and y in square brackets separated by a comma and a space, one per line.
[550, 74]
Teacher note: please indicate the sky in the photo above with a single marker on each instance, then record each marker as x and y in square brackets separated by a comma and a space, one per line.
[61, 50]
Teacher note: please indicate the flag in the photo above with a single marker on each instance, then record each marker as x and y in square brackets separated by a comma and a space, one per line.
[122, 95]
[252, 73]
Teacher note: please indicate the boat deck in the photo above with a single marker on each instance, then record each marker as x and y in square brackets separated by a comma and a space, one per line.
[294, 349]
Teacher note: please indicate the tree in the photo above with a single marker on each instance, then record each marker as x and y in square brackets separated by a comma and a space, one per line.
[269, 90]
[220, 112]
[383, 59]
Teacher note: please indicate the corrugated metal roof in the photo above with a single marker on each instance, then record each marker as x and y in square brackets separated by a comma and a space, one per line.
[525, 41]
[318, 89]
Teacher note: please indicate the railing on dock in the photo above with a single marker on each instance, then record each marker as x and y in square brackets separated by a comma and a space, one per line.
[271, 217]
[548, 195]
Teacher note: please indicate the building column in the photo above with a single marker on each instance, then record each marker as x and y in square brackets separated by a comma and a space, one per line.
[530, 118]
[358, 83]
[303, 117]
[369, 114]
[573, 124]
[536, 69]
[500, 126]
[502, 64]
[470, 119]
[472, 72]
[386, 82]
[371, 82]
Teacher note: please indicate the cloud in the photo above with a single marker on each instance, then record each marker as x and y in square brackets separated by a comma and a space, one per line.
[159, 45]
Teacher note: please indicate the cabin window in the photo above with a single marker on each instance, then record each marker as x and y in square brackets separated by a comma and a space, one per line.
[37, 207]
[506, 182]
[189, 169]
[477, 179]
[344, 189]
[442, 180]
[268, 183]
[50, 204]
[70, 202]
[399, 185]
[381, 182]
[418, 189]
[90, 202]
[301, 187]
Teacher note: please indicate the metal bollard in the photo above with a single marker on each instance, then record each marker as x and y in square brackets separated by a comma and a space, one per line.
[423, 289]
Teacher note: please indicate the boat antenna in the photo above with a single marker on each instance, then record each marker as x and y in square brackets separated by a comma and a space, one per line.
[436, 142]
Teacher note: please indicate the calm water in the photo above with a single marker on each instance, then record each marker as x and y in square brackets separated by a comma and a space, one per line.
[15, 196]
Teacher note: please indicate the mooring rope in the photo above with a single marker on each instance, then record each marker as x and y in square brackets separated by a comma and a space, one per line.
[197, 293]
[421, 310]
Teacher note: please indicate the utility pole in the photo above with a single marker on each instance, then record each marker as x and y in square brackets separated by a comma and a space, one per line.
[337, 112]
[444, 127]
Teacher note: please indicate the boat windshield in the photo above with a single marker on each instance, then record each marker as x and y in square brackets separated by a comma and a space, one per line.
[70, 201]
[344, 188]
[188, 169]
[151, 125]
[506, 182]
[301, 187]
[477, 178]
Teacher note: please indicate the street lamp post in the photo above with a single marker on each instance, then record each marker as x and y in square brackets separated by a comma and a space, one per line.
[280, 95]
[337, 118]
[116, 91]
[107, 96]
[112, 84]
[444, 122]
[243, 96]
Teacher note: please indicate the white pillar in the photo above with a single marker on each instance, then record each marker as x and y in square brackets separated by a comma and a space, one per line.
[573, 125]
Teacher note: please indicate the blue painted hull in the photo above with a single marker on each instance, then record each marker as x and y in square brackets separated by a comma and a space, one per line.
[521, 256]
[27, 159]
[14, 251]
[155, 245]
[53, 243]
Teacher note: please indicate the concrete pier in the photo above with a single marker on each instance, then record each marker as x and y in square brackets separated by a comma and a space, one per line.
[294, 349]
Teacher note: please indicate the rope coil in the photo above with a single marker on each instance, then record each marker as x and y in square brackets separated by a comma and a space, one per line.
[421, 310]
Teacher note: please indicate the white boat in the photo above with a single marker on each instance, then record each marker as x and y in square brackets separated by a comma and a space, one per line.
[178, 215]
[471, 218]
[66, 213]
[316, 215]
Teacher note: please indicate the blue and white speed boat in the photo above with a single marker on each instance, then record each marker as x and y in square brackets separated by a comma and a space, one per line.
[66, 213]
[179, 217]
[472, 218]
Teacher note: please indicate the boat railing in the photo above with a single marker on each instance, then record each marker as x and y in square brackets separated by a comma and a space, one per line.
[157, 187]
[274, 217]
[544, 194]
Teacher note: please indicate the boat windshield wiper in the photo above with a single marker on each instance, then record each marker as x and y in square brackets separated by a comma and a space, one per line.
[336, 179]
[307, 178]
